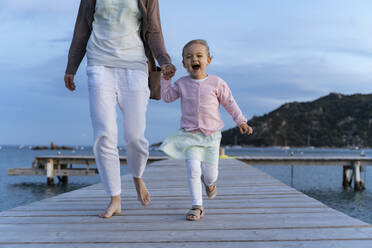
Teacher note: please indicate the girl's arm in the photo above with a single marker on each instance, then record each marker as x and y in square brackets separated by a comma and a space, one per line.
[228, 102]
[83, 28]
[169, 93]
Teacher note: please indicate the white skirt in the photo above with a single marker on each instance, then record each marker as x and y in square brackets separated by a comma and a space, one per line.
[193, 145]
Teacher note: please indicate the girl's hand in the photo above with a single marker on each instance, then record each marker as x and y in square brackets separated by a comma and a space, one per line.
[69, 82]
[245, 128]
[168, 71]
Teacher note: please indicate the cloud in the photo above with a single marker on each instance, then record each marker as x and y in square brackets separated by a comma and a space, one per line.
[37, 7]
[269, 52]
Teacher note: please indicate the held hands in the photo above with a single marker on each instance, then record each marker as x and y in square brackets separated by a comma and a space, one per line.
[168, 71]
[69, 82]
[245, 128]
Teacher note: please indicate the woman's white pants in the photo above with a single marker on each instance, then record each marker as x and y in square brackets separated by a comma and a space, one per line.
[109, 87]
[195, 169]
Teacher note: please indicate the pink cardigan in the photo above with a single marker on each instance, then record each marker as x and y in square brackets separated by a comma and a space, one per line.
[200, 103]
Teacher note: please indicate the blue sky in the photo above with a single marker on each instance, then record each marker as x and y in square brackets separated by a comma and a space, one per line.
[269, 52]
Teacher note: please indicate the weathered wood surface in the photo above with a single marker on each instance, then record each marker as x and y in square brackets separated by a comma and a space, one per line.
[297, 161]
[251, 210]
[39, 167]
[60, 172]
[63, 159]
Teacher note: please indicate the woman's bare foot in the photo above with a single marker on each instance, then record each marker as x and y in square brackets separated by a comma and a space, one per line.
[142, 193]
[113, 208]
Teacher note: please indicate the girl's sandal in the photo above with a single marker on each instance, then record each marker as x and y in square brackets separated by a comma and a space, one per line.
[210, 190]
[195, 213]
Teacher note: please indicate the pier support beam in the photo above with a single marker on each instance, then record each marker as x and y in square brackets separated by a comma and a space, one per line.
[358, 183]
[63, 179]
[50, 172]
[347, 176]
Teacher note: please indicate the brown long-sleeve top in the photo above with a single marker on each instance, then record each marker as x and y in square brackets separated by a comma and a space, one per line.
[151, 34]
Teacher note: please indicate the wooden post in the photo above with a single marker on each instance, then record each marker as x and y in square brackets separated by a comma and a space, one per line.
[50, 172]
[347, 176]
[64, 179]
[358, 183]
[222, 151]
[292, 168]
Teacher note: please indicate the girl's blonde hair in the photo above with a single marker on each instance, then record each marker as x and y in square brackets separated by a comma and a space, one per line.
[198, 41]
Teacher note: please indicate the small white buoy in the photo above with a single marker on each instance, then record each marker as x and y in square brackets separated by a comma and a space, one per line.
[362, 154]
[291, 154]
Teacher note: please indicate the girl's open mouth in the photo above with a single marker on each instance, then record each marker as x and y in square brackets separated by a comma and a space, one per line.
[196, 67]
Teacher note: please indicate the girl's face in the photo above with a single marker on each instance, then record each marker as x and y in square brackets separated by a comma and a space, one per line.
[196, 60]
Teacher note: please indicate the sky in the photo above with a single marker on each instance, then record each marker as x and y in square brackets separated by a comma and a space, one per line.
[269, 52]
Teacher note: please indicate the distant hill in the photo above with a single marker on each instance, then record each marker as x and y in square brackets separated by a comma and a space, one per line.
[334, 120]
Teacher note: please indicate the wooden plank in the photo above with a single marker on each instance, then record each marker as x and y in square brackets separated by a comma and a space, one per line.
[26, 171]
[62, 159]
[166, 226]
[61, 172]
[193, 244]
[263, 212]
[210, 235]
[297, 161]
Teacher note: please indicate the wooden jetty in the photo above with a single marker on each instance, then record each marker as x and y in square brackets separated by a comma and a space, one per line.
[352, 166]
[63, 166]
[252, 209]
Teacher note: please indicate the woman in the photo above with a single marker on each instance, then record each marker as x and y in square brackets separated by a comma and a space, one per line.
[120, 39]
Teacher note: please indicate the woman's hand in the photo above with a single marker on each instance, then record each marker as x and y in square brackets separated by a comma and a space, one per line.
[168, 71]
[69, 82]
[245, 128]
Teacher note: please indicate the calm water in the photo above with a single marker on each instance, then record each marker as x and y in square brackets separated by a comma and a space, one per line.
[321, 183]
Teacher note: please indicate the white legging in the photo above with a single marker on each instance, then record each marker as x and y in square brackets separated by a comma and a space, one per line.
[195, 169]
[109, 87]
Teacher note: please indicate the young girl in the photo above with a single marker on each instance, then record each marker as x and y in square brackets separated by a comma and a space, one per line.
[199, 138]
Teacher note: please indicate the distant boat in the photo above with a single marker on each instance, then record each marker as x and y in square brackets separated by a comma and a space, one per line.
[21, 146]
[285, 147]
[362, 154]
[29, 147]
